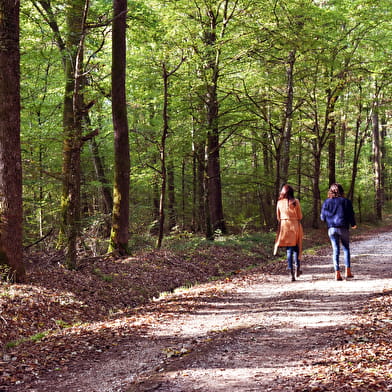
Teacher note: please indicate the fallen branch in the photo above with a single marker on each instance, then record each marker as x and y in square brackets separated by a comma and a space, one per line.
[39, 240]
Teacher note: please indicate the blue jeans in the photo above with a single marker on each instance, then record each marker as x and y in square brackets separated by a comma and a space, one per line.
[292, 255]
[339, 235]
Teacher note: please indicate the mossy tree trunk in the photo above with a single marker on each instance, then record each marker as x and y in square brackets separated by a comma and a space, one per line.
[11, 211]
[74, 110]
[72, 125]
[120, 219]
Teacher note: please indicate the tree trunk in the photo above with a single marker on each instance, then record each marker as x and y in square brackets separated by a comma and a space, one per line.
[72, 58]
[316, 187]
[198, 211]
[330, 131]
[171, 195]
[120, 219]
[377, 156]
[101, 177]
[72, 125]
[332, 153]
[213, 198]
[287, 123]
[214, 184]
[384, 162]
[11, 208]
[360, 138]
[209, 232]
[184, 196]
[358, 144]
[263, 175]
[299, 169]
[163, 171]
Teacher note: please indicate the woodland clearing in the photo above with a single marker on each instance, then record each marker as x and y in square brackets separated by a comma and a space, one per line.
[250, 330]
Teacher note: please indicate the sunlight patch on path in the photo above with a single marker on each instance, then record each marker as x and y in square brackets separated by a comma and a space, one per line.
[281, 323]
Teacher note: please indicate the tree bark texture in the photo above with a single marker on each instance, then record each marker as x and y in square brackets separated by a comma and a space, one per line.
[72, 125]
[120, 219]
[163, 170]
[214, 185]
[11, 209]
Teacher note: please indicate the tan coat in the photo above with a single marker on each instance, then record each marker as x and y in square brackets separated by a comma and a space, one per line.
[290, 232]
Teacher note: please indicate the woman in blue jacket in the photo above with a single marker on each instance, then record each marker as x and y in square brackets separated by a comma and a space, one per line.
[338, 213]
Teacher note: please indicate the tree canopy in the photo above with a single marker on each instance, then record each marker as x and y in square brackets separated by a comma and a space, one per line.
[262, 93]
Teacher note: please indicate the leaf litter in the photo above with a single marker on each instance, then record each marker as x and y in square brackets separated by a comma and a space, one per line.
[63, 319]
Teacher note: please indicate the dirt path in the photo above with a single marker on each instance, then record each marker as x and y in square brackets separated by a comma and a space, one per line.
[255, 332]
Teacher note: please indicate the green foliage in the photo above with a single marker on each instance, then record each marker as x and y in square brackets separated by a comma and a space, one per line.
[34, 338]
[102, 276]
[341, 50]
[5, 273]
[250, 244]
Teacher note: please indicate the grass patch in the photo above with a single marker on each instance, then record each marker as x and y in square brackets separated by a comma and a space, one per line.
[250, 244]
[105, 277]
[34, 338]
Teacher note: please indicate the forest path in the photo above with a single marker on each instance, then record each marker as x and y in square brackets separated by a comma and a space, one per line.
[255, 332]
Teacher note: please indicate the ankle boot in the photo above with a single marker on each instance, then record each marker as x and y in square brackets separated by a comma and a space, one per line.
[292, 274]
[348, 273]
[338, 276]
[298, 271]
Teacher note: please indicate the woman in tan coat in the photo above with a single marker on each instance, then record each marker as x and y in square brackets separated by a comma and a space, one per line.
[290, 233]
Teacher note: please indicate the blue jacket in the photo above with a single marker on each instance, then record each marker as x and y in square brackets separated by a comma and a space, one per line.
[338, 212]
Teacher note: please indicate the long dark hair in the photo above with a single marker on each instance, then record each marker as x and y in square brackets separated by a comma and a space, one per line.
[335, 190]
[287, 192]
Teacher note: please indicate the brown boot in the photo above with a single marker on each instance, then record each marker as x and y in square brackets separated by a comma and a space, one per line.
[292, 274]
[298, 271]
[348, 273]
[338, 276]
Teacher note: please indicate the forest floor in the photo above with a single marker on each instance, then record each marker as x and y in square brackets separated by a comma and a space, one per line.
[252, 330]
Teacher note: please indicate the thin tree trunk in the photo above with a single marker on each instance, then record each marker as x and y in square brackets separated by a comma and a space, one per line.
[120, 218]
[199, 218]
[163, 171]
[101, 177]
[268, 197]
[11, 208]
[384, 163]
[171, 195]
[359, 142]
[299, 170]
[332, 152]
[183, 193]
[377, 156]
[209, 232]
[330, 128]
[316, 187]
[287, 122]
